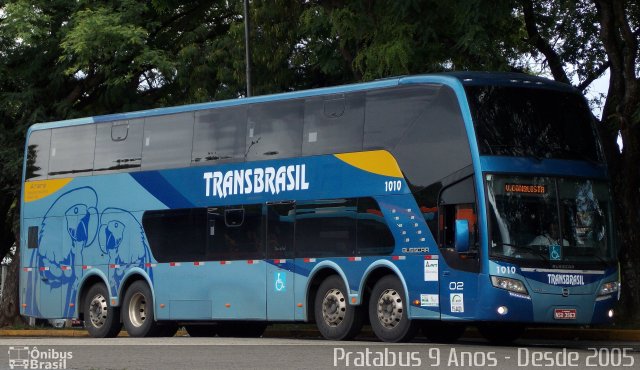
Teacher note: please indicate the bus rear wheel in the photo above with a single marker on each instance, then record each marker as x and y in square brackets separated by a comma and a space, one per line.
[335, 317]
[389, 311]
[137, 312]
[101, 319]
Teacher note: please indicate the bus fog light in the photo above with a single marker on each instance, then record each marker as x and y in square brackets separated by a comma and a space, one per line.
[610, 313]
[502, 310]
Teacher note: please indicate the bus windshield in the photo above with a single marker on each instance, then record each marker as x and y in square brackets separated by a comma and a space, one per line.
[530, 122]
[550, 221]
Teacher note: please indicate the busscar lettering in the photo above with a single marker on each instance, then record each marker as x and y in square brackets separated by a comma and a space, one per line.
[255, 180]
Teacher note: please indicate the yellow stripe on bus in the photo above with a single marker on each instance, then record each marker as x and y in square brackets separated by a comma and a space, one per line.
[379, 162]
[35, 190]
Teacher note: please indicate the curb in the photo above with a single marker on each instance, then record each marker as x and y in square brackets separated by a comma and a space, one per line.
[617, 335]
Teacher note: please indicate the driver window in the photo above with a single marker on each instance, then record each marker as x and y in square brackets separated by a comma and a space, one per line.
[457, 202]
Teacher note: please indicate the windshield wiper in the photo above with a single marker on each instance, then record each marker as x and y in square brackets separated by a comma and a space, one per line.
[527, 249]
[604, 262]
[601, 260]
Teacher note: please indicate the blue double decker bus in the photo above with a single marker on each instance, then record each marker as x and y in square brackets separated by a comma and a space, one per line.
[426, 203]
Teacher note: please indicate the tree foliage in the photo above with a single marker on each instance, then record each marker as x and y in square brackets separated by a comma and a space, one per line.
[63, 59]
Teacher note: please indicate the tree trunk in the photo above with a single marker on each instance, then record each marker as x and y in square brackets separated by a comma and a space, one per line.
[622, 112]
[10, 304]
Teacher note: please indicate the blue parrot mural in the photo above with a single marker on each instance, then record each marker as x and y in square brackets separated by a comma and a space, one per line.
[58, 258]
[121, 238]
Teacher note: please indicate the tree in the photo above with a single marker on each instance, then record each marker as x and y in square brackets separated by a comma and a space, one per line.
[578, 41]
[63, 59]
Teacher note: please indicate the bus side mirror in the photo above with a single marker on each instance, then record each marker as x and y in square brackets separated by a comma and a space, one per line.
[462, 236]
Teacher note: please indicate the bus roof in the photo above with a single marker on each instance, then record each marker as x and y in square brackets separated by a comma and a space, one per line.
[446, 78]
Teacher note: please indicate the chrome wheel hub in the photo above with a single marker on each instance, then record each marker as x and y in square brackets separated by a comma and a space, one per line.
[98, 310]
[390, 308]
[334, 307]
[137, 310]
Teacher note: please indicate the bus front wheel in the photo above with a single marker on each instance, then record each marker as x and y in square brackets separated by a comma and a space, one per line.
[336, 318]
[389, 311]
[137, 311]
[101, 319]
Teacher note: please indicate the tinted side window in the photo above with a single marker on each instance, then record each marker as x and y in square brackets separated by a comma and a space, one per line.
[390, 112]
[32, 237]
[333, 124]
[280, 230]
[72, 151]
[374, 236]
[418, 122]
[220, 135]
[177, 235]
[167, 141]
[38, 154]
[118, 146]
[274, 130]
[235, 233]
[326, 228]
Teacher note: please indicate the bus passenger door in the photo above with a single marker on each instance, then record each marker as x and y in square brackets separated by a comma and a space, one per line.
[460, 270]
[280, 263]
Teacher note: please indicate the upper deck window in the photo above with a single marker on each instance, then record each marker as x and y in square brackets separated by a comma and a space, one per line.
[333, 124]
[422, 126]
[274, 130]
[167, 141]
[38, 154]
[530, 122]
[72, 150]
[118, 146]
[220, 136]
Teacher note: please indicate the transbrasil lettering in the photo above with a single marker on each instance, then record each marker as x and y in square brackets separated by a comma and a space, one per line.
[255, 180]
[563, 279]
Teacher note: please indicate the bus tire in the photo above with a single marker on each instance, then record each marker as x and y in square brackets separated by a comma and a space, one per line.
[101, 319]
[336, 318]
[442, 332]
[200, 331]
[137, 311]
[388, 311]
[501, 334]
[241, 329]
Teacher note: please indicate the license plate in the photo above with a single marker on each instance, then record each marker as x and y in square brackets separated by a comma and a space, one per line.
[564, 314]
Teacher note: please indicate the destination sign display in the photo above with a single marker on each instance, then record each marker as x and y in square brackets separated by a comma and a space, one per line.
[525, 188]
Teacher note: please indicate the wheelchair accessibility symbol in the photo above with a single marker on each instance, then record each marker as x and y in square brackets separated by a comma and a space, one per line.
[280, 279]
[555, 252]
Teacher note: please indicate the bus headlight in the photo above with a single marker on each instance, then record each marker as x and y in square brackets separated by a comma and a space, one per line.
[609, 288]
[511, 285]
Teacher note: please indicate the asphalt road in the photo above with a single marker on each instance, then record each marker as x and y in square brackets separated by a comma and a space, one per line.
[284, 353]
